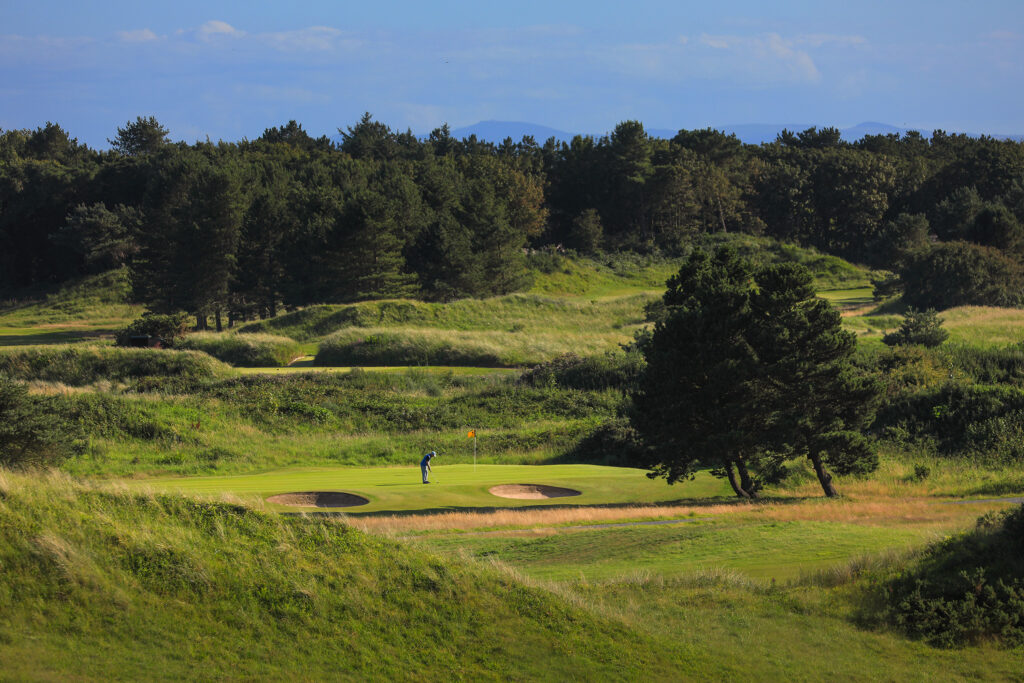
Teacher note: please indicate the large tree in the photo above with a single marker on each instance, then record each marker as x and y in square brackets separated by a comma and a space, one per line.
[746, 369]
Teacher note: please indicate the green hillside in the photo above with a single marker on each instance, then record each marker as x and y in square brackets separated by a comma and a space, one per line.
[112, 585]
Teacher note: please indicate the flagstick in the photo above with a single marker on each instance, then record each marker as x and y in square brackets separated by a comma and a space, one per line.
[474, 450]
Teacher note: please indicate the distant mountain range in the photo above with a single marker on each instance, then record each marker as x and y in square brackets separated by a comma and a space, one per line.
[750, 133]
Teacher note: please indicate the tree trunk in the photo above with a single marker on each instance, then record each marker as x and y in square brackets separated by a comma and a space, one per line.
[731, 473]
[823, 476]
[231, 319]
[216, 317]
[201, 322]
[745, 481]
[721, 214]
[273, 309]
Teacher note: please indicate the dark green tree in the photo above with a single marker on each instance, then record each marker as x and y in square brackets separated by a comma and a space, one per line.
[961, 274]
[188, 253]
[105, 238]
[746, 369]
[918, 327]
[140, 137]
[32, 430]
[813, 401]
[692, 405]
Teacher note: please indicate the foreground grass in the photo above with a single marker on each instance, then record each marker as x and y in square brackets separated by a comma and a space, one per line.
[101, 583]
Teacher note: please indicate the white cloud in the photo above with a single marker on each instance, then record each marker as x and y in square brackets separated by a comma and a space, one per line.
[797, 62]
[142, 35]
[815, 40]
[717, 42]
[212, 29]
[314, 38]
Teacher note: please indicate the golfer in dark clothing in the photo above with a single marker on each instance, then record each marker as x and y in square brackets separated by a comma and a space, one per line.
[425, 465]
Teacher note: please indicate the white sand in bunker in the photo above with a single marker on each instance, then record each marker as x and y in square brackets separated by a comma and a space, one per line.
[531, 491]
[318, 499]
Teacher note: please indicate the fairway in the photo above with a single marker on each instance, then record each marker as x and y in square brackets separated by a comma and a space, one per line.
[453, 487]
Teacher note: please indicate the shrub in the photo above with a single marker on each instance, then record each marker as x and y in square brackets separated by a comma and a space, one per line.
[362, 347]
[250, 351]
[81, 364]
[961, 274]
[983, 420]
[103, 415]
[968, 588]
[33, 431]
[615, 442]
[919, 327]
[170, 328]
[607, 371]
[985, 366]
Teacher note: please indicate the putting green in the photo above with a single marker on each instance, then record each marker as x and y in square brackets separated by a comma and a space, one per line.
[453, 486]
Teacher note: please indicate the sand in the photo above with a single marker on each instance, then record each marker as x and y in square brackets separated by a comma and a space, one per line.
[319, 499]
[531, 491]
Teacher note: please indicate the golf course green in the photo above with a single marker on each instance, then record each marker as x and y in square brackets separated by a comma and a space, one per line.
[452, 487]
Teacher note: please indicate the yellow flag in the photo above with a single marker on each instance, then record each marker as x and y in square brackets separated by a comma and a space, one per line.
[472, 434]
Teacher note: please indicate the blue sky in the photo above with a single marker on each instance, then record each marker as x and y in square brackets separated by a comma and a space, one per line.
[228, 70]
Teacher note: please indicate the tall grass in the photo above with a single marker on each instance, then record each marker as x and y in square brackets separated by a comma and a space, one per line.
[99, 583]
[80, 364]
[250, 351]
[409, 346]
[96, 301]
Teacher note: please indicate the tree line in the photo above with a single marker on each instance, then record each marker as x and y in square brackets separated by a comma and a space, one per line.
[241, 228]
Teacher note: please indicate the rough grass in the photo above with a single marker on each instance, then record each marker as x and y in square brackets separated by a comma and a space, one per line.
[251, 350]
[106, 584]
[79, 364]
[409, 346]
[976, 326]
[96, 301]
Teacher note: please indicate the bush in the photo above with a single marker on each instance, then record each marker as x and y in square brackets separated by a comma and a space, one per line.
[361, 347]
[103, 415]
[608, 371]
[968, 588]
[78, 365]
[919, 327]
[170, 328]
[985, 366]
[615, 443]
[961, 419]
[33, 431]
[249, 351]
[961, 274]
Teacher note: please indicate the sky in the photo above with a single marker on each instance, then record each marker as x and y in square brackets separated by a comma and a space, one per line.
[229, 70]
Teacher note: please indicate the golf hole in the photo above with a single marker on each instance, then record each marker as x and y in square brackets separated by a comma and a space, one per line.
[318, 499]
[531, 491]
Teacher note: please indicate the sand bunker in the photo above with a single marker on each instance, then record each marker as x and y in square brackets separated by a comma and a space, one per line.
[318, 499]
[531, 491]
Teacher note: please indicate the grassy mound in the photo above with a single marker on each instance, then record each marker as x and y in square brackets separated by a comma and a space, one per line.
[77, 365]
[103, 584]
[101, 299]
[249, 351]
[411, 346]
[515, 313]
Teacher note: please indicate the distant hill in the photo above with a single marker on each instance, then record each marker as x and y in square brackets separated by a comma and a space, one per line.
[750, 133]
[496, 131]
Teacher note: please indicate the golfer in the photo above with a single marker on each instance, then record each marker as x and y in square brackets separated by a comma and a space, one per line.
[425, 465]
